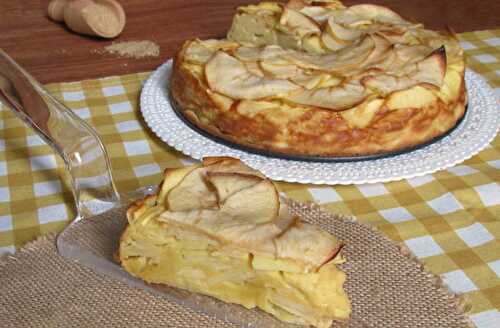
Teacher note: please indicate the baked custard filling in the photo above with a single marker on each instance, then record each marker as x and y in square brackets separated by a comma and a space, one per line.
[220, 229]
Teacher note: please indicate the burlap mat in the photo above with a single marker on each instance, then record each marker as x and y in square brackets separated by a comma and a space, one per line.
[38, 288]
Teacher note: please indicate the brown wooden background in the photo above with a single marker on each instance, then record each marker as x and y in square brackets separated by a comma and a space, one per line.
[52, 53]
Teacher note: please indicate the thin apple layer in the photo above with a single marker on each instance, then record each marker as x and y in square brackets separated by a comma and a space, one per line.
[245, 248]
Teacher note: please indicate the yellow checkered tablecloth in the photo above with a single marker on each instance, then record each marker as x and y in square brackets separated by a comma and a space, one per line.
[450, 220]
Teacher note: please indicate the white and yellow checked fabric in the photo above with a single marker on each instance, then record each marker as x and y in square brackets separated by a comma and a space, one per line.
[450, 220]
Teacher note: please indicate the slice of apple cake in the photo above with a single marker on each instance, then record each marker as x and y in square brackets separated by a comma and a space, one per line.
[220, 229]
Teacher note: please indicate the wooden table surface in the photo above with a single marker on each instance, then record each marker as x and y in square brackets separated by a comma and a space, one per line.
[53, 54]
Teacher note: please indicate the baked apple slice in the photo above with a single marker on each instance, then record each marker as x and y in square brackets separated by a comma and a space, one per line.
[335, 98]
[228, 183]
[430, 70]
[298, 23]
[227, 75]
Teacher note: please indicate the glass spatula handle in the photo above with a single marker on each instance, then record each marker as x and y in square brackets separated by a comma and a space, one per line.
[72, 138]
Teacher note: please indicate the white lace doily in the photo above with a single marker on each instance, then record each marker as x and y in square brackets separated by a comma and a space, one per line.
[477, 130]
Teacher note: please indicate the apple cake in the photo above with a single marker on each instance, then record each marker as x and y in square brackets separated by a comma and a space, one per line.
[219, 228]
[317, 78]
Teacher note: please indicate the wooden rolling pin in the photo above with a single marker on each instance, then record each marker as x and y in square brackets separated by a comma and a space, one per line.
[103, 18]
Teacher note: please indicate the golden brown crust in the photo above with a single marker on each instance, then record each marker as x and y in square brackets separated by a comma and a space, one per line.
[117, 255]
